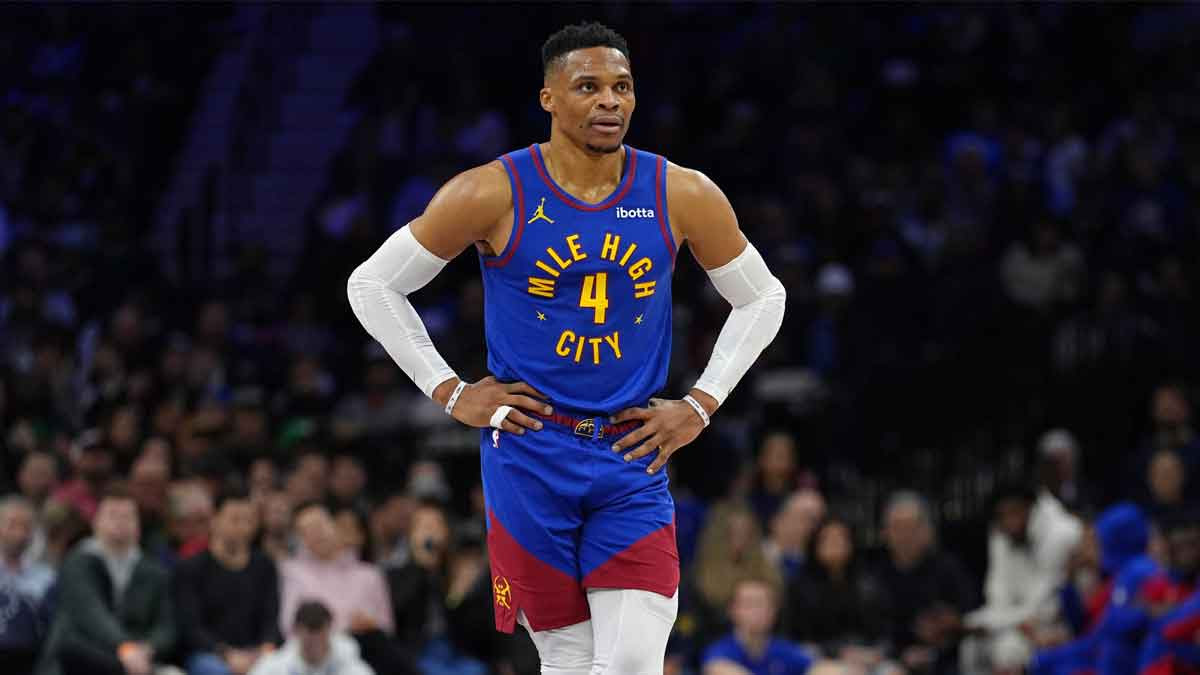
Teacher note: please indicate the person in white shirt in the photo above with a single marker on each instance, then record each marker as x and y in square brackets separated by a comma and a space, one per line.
[314, 649]
[1031, 541]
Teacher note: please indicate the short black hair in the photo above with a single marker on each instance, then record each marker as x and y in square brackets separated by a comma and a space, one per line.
[580, 36]
[313, 615]
[1012, 491]
[232, 493]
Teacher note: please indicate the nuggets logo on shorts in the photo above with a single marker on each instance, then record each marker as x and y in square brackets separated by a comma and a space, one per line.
[501, 591]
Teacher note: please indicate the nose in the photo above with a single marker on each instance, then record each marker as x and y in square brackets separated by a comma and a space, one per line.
[608, 100]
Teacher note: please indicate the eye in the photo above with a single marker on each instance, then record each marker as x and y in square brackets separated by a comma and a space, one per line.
[623, 87]
[587, 86]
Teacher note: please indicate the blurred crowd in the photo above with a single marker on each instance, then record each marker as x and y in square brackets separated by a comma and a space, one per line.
[969, 450]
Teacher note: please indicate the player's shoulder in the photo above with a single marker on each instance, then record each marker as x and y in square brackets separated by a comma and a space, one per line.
[477, 195]
[686, 182]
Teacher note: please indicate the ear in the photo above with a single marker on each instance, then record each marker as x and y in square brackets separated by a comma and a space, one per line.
[546, 98]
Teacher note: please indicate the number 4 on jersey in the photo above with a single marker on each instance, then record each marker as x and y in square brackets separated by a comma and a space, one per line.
[594, 294]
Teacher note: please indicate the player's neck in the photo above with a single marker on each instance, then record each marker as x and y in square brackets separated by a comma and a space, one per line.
[575, 167]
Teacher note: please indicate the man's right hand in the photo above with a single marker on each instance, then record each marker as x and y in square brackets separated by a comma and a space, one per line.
[479, 401]
[135, 658]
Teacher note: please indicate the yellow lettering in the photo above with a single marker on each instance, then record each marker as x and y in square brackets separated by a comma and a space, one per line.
[614, 341]
[546, 268]
[596, 342]
[628, 252]
[561, 263]
[578, 349]
[641, 290]
[560, 348]
[611, 244]
[542, 287]
[639, 268]
[576, 249]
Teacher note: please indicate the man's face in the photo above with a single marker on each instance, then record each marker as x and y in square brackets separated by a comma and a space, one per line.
[429, 529]
[314, 644]
[318, 532]
[590, 97]
[347, 479]
[753, 608]
[16, 530]
[116, 523]
[1184, 545]
[1012, 518]
[237, 521]
[37, 476]
[907, 534]
[148, 483]
[797, 519]
[95, 464]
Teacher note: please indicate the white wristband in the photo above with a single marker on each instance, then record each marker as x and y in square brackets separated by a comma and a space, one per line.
[698, 408]
[458, 390]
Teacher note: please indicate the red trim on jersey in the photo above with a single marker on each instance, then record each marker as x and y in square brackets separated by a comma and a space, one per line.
[658, 208]
[536, 153]
[649, 564]
[549, 597]
[518, 216]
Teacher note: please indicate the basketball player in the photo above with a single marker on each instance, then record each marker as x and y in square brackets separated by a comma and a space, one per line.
[577, 240]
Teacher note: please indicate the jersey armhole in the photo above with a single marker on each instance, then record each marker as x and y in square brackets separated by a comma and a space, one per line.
[518, 226]
[660, 207]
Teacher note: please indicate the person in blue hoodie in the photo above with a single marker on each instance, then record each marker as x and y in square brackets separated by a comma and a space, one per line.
[1111, 648]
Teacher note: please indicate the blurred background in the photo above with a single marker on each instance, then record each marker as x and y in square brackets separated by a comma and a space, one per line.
[984, 216]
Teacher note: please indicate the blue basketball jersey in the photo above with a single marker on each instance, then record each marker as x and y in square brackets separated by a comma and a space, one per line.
[578, 304]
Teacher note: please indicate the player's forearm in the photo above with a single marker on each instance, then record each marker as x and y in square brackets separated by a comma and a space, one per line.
[378, 292]
[758, 300]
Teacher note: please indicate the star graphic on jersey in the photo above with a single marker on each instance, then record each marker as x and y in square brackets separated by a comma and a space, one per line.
[638, 319]
[541, 317]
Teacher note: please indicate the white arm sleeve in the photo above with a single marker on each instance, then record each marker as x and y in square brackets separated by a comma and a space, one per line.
[758, 300]
[378, 292]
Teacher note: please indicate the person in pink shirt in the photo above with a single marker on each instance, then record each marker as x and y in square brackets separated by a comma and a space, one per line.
[324, 570]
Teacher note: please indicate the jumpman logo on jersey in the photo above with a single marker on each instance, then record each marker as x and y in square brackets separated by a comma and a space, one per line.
[540, 213]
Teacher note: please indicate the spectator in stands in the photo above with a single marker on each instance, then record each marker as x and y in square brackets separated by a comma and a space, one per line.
[149, 481]
[1044, 271]
[315, 648]
[220, 637]
[263, 478]
[928, 589]
[24, 587]
[778, 475]
[730, 547]
[791, 530]
[381, 408]
[426, 592]
[352, 530]
[1166, 480]
[37, 477]
[93, 463]
[115, 609]
[1058, 470]
[390, 524]
[752, 647]
[276, 540]
[191, 510]
[1029, 547]
[1113, 643]
[834, 603]
[323, 569]
[1171, 416]
[347, 480]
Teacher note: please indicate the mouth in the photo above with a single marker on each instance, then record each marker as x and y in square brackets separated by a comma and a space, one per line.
[607, 124]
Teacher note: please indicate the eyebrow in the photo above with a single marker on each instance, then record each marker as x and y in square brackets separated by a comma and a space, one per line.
[579, 78]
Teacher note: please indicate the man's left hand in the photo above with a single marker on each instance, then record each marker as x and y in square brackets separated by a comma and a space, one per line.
[667, 425]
